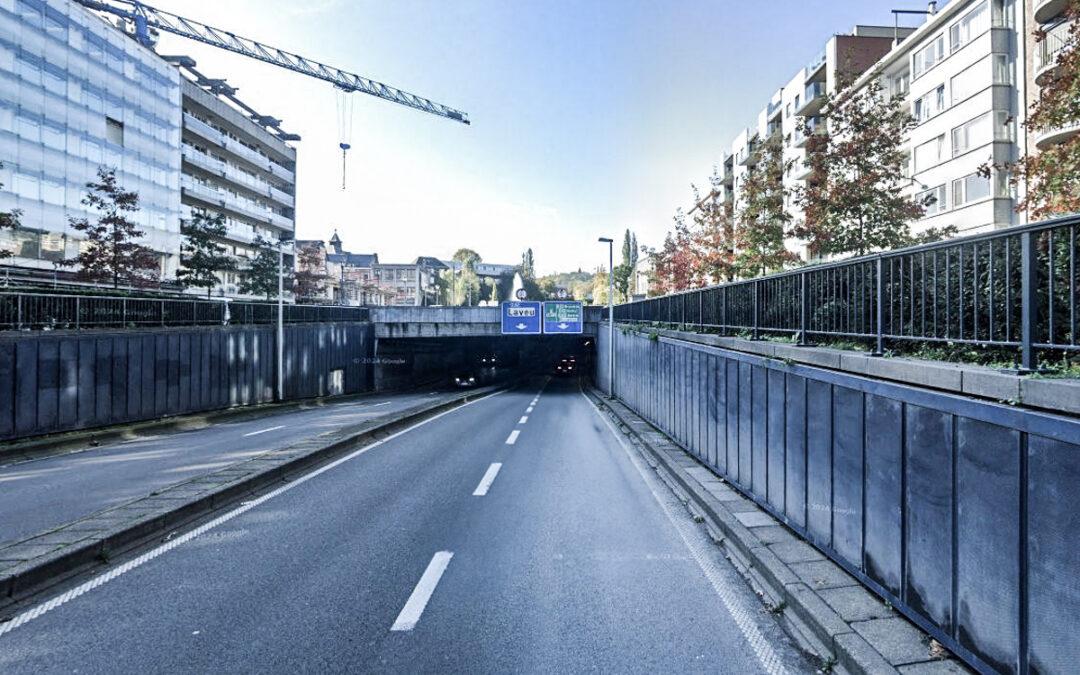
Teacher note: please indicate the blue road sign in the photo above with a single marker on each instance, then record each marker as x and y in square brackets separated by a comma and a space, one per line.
[521, 318]
[564, 316]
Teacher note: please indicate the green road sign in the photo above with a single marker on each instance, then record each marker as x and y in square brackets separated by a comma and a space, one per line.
[563, 317]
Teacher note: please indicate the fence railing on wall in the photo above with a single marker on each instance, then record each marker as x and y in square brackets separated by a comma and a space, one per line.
[1013, 288]
[32, 311]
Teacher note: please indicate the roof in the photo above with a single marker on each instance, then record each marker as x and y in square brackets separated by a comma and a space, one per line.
[429, 261]
[354, 259]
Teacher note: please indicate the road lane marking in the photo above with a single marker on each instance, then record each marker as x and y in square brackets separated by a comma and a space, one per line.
[414, 607]
[512, 438]
[529, 409]
[105, 577]
[376, 405]
[487, 480]
[524, 419]
[263, 431]
[768, 657]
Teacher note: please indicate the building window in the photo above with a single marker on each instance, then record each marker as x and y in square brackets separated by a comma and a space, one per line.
[969, 189]
[927, 57]
[930, 104]
[1003, 126]
[1003, 72]
[971, 26]
[930, 153]
[900, 84]
[971, 134]
[114, 131]
[933, 200]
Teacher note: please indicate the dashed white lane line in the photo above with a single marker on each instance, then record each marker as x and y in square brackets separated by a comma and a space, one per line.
[104, 578]
[529, 409]
[770, 660]
[414, 607]
[524, 419]
[487, 480]
[263, 431]
[512, 438]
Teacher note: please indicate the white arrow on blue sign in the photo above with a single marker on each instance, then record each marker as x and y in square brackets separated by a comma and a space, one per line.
[521, 318]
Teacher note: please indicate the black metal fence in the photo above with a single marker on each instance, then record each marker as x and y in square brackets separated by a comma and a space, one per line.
[27, 311]
[1014, 288]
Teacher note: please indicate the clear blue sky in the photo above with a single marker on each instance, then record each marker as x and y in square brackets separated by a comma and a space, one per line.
[588, 116]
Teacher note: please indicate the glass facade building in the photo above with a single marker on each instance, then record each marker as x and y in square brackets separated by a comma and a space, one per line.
[77, 94]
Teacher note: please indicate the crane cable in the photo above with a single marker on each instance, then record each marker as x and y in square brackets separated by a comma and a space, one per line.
[345, 124]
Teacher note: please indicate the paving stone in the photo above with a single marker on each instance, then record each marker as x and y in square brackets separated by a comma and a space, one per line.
[855, 603]
[856, 655]
[796, 551]
[60, 537]
[776, 534]
[897, 640]
[991, 383]
[703, 475]
[743, 505]
[753, 519]
[723, 492]
[1061, 395]
[822, 574]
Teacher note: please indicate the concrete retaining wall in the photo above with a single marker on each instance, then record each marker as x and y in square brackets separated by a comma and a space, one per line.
[963, 513]
[52, 382]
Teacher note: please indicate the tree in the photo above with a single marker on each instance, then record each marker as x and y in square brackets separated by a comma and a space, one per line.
[528, 265]
[712, 238]
[625, 270]
[9, 220]
[673, 264]
[763, 219]
[310, 277]
[1052, 176]
[261, 275]
[112, 252]
[202, 258]
[854, 200]
[467, 286]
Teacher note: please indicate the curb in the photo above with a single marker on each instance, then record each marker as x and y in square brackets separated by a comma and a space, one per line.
[815, 625]
[68, 442]
[95, 539]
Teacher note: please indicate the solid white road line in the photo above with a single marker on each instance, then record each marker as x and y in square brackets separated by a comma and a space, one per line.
[704, 557]
[487, 480]
[512, 438]
[82, 589]
[376, 405]
[524, 419]
[410, 613]
[263, 431]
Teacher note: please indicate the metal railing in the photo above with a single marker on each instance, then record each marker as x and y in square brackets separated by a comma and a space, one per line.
[35, 311]
[1013, 288]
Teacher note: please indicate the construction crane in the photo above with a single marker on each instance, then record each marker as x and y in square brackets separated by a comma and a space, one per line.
[145, 20]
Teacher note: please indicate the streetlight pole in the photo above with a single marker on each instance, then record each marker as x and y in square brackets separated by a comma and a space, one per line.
[281, 319]
[611, 316]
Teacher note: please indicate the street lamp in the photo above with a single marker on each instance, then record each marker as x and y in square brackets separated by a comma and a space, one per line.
[610, 315]
[282, 240]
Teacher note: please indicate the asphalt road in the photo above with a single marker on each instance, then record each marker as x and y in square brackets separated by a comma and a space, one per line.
[40, 494]
[418, 554]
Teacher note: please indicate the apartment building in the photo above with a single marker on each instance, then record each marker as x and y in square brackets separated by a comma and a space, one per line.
[843, 58]
[364, 280]
[1047, 16]
[77, 94]
[958, 72]
[237, 163]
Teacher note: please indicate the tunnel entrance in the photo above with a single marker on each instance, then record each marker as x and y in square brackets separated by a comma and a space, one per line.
[450, 362]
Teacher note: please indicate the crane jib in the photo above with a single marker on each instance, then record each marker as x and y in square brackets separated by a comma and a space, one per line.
[146, 18]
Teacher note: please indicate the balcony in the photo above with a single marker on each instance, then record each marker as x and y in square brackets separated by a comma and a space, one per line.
[218, 139]
[202, 192]
[1047, 51]
[773, 110]
[815, 126]
[747, 155]
[1052, 137]
[1046, 10]
[773, 129]
[815, 64]
[801, 170]
[202, 160]
[813, 99]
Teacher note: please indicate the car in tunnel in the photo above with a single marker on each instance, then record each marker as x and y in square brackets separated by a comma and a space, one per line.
[566, 366]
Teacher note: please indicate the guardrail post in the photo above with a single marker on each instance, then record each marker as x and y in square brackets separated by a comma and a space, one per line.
[18, 313]
[804, 310]
[194, 312]
[700, 308]
[161, 304]
[879, 319]
[757, 286]
[123, 312]
[1028, 301]
[76, 312]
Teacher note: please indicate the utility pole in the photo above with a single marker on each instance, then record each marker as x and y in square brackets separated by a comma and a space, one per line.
[611, 316]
